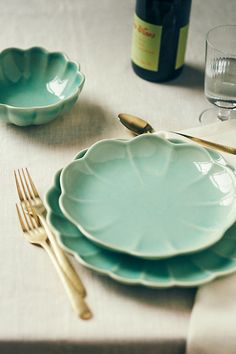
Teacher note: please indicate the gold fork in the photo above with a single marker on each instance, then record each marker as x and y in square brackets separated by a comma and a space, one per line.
[27, 192]
[35, 233]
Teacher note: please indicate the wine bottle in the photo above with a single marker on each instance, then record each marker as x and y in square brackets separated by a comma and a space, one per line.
[159, 38]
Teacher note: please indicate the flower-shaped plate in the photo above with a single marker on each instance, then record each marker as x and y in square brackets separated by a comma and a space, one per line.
[187, 271]
[149, 197]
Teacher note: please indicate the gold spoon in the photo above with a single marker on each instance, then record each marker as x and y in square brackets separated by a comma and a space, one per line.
[140, 126]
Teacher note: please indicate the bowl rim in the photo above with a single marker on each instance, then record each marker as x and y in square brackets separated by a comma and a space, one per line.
[52, 105]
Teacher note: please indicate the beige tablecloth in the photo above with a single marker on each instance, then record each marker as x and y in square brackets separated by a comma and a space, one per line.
[35, 315]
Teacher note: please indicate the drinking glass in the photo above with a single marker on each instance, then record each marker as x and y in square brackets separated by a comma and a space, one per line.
[220, 74]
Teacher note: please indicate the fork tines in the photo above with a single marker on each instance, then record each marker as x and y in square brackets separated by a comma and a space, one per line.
[28, 221]
[25, 185]
[26, 192]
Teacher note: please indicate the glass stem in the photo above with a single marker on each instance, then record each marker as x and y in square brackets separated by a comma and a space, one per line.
[223, 114]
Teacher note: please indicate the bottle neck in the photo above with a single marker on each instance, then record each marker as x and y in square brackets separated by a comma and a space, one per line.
[164, 12]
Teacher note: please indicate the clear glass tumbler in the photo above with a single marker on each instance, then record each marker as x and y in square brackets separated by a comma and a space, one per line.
[220, 74]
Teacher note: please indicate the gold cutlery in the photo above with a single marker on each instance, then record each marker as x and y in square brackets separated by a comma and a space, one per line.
[31, 202]
[27, 192]
[140, 126]
[35, 233]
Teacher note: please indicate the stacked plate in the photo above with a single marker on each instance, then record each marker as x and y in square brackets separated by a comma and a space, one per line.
[147, 211]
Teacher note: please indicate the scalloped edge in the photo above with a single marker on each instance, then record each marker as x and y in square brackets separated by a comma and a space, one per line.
[129, 281]
[53, 105]
[219, 232]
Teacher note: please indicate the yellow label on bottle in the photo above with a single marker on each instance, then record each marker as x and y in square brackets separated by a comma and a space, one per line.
[183, 34]
[146, 43]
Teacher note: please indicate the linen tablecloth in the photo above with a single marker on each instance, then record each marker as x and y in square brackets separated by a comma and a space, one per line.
[35, 315]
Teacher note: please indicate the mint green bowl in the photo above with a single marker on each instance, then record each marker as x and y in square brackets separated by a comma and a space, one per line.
[36, 85]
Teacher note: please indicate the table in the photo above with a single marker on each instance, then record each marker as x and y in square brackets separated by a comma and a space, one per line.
[34, 311]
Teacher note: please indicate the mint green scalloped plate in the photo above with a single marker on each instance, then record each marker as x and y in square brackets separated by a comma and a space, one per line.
[149, 197]
[186, 271]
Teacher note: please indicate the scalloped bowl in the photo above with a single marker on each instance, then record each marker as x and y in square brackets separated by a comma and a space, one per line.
[36, 85]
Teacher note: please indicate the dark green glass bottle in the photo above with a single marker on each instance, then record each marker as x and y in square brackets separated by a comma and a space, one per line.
[159, 38]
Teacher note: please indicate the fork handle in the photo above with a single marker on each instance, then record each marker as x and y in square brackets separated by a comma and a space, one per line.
[77, 301]
[64, 262]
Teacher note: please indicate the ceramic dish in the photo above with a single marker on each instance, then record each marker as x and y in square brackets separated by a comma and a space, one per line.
[149, 197]
[186, 271]
[37, 85]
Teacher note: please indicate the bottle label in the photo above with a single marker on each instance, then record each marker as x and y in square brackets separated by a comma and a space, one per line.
[183, 34]
[146, 43]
